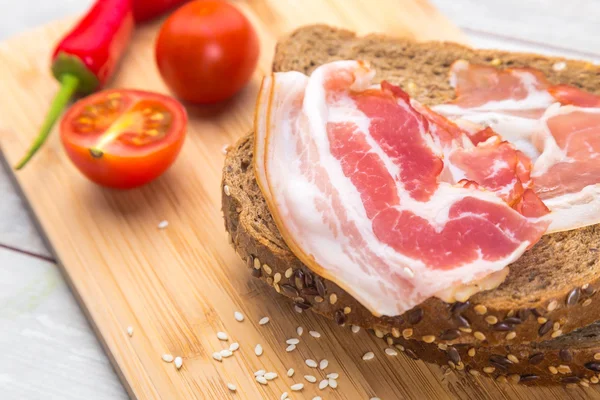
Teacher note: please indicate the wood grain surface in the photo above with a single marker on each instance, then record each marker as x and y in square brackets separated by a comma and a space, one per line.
[178, 286]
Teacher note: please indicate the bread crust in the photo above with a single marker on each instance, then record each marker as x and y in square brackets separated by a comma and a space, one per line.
[550, 290]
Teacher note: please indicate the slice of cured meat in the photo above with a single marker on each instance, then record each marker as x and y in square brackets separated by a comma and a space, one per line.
[557, 126]
[379, 197]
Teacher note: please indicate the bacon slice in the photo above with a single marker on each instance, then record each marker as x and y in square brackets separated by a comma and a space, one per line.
[356, 179]
[563, 142]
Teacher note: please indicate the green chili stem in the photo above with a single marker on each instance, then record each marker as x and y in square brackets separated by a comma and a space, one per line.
[68, 86]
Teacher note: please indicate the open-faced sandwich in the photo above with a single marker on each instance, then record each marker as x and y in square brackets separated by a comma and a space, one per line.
[445, 197]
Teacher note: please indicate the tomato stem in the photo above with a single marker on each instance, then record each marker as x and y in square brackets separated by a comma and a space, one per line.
[68, 86]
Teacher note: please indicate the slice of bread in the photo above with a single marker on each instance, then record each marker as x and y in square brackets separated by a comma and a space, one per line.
[549, 291]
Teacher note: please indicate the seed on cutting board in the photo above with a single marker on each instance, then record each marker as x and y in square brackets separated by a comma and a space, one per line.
[261, 379]
[292, 341]
[291, 347]
[222, 336]
[226, 190]
[130, 331]
[263, 321]
[314, 334]
[298, 309]
[355, 328]
[270, 376]
[297, 387]
[167, 358]
[290, 372]
[333, 383]
[333, 375]
[368, 356]
[310, 378]
[323, 384]
[284, 396]
[231, 387]
[234, 346]
[238, 316]
[226, 353]
[374, 398]
[258, 350]
[178, 362]
[311, 363]
[324, 363]
[217, 356]
[317, 398]
[225, 149]
[391, 352]
[260, 372]
[299, 331]
[163, 224]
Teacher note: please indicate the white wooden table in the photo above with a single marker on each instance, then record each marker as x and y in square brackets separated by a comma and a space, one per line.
[48, 349]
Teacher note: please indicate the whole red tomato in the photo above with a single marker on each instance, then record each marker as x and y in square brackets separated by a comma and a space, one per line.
[206, 51]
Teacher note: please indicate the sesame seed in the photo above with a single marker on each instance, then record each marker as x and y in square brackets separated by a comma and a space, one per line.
[319, 299]
[261, 379]
[391, 352]
[130, 331]
[594, 379]
[347, 310]
[556, 326]
[374, 398]
[564, 369]
[163, 224]
[231, 387]
[333, 383]
[290, 372]
[333, 375]
[471, 352]
[260, 372]
[474, 372]
[597, 356]
[226, 353]
[559, 66]
[288, 272]
[479, 336]
[333, 298]
[489, 370]
[234, 346]
[311, 363]
[167, 358]
[513, 358]
[226, 190]
[553, 370]
[270, 376]
[293, 341]
[511, 335]
[552, 305]
[284, 396]
[428, 338]
[267, 269]
[310, 378]
[368, 356]
[480, 309]
[407, 333]
[216, 355]
[277, 277]
[256, 263]
[297, 387]
[258, 350]
[378, 333]
[323, 384]
[492, 320]
[324, 363]
[496, 62]
[556, 333]
[239, 317]
[299, 331]
[586, 303]
[542, 320]
[225, 149]
[441, 346]
[264, 321]
[315, 334]
[356, 328]
[178, 362]
[317, 398]
[298, 309]
[222, 336]
[291, 347]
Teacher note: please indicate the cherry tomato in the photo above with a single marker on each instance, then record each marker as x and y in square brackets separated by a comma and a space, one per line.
[206, 51]
[123, 138]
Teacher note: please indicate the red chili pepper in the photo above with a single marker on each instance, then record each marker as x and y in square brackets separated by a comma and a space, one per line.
[86, 58]
[144, 10]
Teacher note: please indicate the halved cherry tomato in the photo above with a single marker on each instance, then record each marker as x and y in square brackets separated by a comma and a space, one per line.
[124, 138]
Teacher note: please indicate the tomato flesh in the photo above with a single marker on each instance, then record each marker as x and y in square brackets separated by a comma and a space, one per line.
[124, 138]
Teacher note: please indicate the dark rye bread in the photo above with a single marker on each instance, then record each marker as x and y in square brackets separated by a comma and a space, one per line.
[572, 359]
[553, 284]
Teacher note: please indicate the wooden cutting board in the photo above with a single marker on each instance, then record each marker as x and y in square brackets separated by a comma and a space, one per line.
[178, 286]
